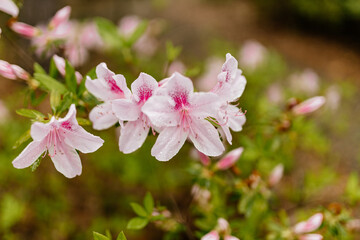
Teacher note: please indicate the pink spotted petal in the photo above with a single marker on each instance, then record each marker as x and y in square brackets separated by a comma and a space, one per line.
[229, 159]
[102, 116]
[179, 88]
[236, 119]
[25, 29]
[160, 111]
[9, 7]
[206, 138]
[66, 160]
[311, 237]
[30, 154]
[213, 235]
[132, 136]
[309, 105]
[126, 109]
[309, 225]
[60, 17]
[70, 116]
[205, 104]
[168, 143]
[79, 139]
[143, 87]
[40, 130]
[97, 88]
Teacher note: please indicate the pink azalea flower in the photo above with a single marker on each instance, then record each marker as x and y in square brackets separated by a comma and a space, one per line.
[213, 235]
[276, 175]
[60, 137]
[12, 71]
[230, 86]
[61, 65]
[223, 225]
[9, 7]
[229, 159]
[308, 106]
[135, 131]
[313, 223]
[252, 54]
[313, 236]
[181, 113]
[107, 87]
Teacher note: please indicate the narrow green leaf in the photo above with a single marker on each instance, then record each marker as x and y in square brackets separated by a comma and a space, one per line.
[55, 99]
[137, 223]
[50, 83]
[84, 121]
[98, 236]
[70, 77]
[30, 113]
[109, 33]
[108, 234]
[36, 164]
[172, 51]
[140, 30]
[65, 103]
[138, 209]
[39, 69]
[149, 203]
[121, 236]
[53, 72]
[23, 138]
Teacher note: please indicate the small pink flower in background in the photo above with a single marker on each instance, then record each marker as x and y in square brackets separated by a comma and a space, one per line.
[176, 66]
[252, 55]
[180, 113]
[25, 30]
[229, 159]
[134, 132]
[230, 87]
[60, 137]
[275, 94]
[107, 87]
[60, 17]
[333, 98]
[9, 7]
[303, 228]
[276, 175]
[208, 80]
[308, 106]
[223, 225]
[201, 195]
[4, 113]
[213, 235]
[305, 82]
[11, 71]
[60, 65]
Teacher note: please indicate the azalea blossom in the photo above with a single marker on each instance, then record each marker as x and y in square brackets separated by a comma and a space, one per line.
[107, 87]
[180, 113]
[229, 159]
[302, 229]
[59, 137]
[308, 106]
[213, 235]
[222, 229]
[252, 54]
[276, 175]
[230, 87]
[11, 71]
[134, 132]
[9, 7]
[61, 65]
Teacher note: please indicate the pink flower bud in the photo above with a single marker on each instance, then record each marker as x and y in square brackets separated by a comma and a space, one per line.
[311, 237]
[310, 225]
[20, 73]
[308, 106]
[230, 159]
[276, 175]
[205, 160]
[6, 70]
[60, 17]
[222, 225]
[213, 235]
[228, 237]
[24, 29]
[9, 7]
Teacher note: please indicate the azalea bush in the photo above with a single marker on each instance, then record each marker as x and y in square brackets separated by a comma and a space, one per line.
[152, 147]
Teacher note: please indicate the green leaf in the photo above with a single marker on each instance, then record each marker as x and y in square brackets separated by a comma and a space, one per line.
[50, 83]
[65, 103]
[140, 30]
[36, 164]
[39, 69]
[137, 223]
[139, 210]
[70, 77]
[55, 100]
[353, 188]
[172, 52]
[121, 236]
[30, 113]
[23, 138]
[109, 33]
[98, 236]
[84, 121]
[53, 71]
[108, 234]
[149, 203]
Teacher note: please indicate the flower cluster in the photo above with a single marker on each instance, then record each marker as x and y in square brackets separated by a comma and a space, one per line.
[171, 108]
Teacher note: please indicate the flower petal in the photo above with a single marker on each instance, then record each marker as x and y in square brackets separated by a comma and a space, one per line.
[160, 111]
[82, 140]
[205, 104]
[309, 225]
[230, 238]
[102, 116]
[97, 88]
[66, 160]
[229, 159]
[236, 119]
[213, 235]
[126, 109]
[30, 154]
[168, 143]
[311, 237]
[40, 130]
[143, 87]
[310, 105]
[9, 7]
[60, 17]
[132, 136]
[24, 29]
[206, 138]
